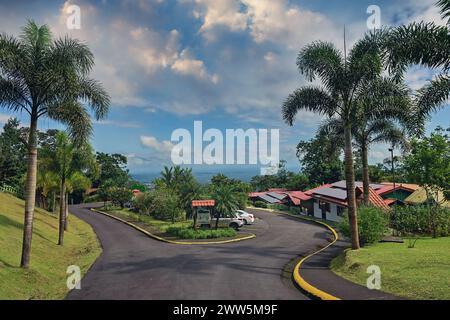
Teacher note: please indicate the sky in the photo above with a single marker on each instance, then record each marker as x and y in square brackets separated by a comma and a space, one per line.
[227, 63]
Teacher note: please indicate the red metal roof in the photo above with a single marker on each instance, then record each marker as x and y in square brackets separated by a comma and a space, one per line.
[389, 187]
[299, 195]
[375, 199]
[256, 194]
[390, 201]
[276, 190]
[203, 203]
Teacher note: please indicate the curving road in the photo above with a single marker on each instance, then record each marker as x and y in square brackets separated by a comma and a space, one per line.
[133, 266]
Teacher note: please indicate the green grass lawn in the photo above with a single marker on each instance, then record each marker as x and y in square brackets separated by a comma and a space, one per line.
[159, 225]
[422, 272]
[46, 277]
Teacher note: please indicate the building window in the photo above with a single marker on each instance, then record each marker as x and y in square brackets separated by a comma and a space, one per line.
[324, 206]
[340, 211]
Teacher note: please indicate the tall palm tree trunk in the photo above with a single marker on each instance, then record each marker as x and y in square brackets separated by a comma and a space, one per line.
[365, 175]
[66, 219]
[30, 192]
[62, 211]
[351, 195]
[54, 202]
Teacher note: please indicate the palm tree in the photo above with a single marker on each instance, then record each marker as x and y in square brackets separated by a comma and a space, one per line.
[75, 181]
[68, 161]
[167, 176]
[426, 44]
[342, 77]
[372, 127]
[43, 77]
[47, 182]
[227, 200]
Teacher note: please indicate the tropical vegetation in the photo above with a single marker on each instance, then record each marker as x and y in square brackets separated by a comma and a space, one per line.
[43, 77]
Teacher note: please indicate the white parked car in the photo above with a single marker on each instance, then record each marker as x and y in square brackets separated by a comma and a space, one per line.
[231, 220]
[248, 217]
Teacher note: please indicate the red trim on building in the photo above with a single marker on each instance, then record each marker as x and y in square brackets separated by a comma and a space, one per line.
[203, 203]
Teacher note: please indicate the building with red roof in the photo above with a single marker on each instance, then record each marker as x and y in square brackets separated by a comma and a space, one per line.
[329, 201]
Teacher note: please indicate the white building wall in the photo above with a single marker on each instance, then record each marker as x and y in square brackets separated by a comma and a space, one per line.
[317, 210]
[333, 216]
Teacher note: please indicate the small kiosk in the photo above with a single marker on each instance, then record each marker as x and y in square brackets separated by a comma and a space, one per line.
[203, 212]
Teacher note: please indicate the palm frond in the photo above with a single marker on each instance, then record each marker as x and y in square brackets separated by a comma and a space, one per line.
[445, 8]
[323, 60]
[72, 54]
[36, 36]
[13, 95]
[364, 61]
[433, 96]
[417, 43]
[93, 93]
[331, 126]
[388, 132]
[333, 129]
[74, 115]
[309, 99]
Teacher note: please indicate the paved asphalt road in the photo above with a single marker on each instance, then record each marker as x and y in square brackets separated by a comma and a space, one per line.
[133, 266]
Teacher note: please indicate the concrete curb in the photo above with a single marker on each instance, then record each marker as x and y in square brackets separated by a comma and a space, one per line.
[299, 280]
[151, 235]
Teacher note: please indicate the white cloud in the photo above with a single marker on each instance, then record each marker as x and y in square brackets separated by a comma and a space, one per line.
[187, 66]
[277, 21]
[215, 13]
[152, 142]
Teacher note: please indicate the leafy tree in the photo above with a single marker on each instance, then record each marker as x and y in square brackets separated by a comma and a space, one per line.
[143, 203]
[13, 154]
[43, 77]
[299, 181]
[166, 205]
[104, 192]
[113, 168]
[343, 77]
[284, 179]
[320, 160]
[264, 182]
[428, 164]
[120, 196]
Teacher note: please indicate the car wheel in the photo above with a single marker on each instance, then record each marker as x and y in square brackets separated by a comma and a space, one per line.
[234, 226]
[245, 221]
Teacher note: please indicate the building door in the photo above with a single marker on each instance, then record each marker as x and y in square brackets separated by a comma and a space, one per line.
[323, 209]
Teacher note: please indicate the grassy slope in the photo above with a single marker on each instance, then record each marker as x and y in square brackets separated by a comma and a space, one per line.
[46, 278]
[422, 272]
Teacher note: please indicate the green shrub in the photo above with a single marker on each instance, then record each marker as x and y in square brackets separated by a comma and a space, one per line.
[143, 202]
[426, 220]
[120, 196]
[372, 225]
[162, 204]
[189, 233]
[260, 204]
